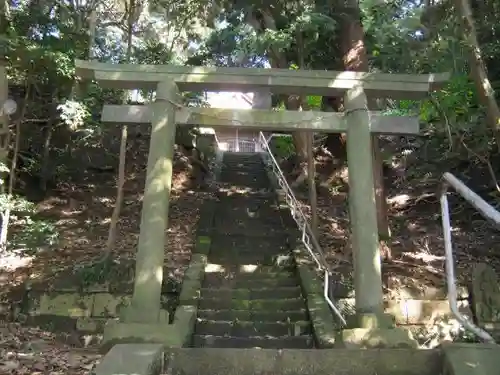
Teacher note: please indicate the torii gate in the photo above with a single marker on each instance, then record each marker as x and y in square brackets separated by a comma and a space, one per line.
[166, 111]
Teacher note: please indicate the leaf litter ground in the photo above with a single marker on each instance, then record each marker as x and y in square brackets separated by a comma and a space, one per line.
[82, 212]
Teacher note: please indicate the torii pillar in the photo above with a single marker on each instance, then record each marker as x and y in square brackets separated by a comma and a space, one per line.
[362, 206]
[145, 305]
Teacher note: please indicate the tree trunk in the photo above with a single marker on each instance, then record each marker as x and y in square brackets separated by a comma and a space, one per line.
[355, 59]
[311, 174]
[478, 68]
[12, 175]
[308, 146]
[44, 167]
[113, 225]
[92, 31]
[4, 87]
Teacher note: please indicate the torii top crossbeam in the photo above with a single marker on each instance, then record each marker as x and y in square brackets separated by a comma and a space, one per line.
[279, 81]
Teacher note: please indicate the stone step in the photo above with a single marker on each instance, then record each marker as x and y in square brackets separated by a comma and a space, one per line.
[282, 268]
[289, 304]
[258, 249]
[242, 244]
[217, 280]
[226, 190]
[237, 199]
[246, 167]
[254, 169]
[224, 225]
[248, 216]
[241, 175]
[249, 272]
[227, 260]
[240, 156]
[242, 159]
[249, 212]
[257, 169]
[292, 342]
[259, 294]
[238, 176]
[254, 316]
[211, 361]
[252, 329]
[244, 184]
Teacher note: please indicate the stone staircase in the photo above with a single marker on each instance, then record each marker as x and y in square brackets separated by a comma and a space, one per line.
[252, 317]
[251, 295]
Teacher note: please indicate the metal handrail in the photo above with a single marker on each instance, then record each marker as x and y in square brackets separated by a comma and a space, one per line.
[491, 215]
[308, 238]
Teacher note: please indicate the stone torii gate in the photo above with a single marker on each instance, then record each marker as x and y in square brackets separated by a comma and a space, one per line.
[165, 112]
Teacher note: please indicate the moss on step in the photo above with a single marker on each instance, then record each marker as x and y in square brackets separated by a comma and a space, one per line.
[250, 329]
[290, 342]
[213, 280]
[253, 293]
[252, 304]
[254, 316]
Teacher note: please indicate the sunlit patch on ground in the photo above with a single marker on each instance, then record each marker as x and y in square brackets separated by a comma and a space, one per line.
[13, 261]
[248, 268]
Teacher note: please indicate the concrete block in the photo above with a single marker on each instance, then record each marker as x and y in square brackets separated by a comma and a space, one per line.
[196, 267]
[109, 305]
[372, 321]
[132, 359]
[173, 335]
[471, 359]
[66, 304]
[190, 292]
[118, 332]
[91, 325]
[376, 338]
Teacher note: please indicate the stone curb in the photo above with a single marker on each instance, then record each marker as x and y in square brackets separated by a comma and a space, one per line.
[324, 326]
[307, 362]
[185, 315]
[191, 285]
